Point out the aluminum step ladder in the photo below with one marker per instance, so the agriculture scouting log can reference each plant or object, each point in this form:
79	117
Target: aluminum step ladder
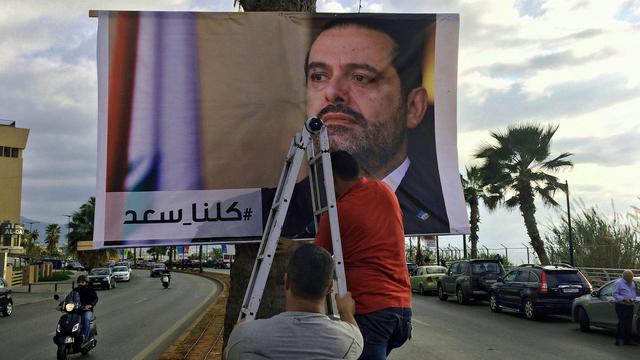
314	134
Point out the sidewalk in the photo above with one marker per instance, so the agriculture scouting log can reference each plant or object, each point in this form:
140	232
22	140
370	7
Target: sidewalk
41	291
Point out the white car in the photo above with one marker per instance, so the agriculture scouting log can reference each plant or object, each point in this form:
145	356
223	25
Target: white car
121	273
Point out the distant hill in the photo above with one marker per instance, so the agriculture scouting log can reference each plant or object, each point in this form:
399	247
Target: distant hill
41	226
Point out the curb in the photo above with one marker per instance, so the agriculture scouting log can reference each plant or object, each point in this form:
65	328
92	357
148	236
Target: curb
204	338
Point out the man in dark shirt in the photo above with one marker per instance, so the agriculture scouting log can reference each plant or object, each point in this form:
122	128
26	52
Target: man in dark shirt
88	300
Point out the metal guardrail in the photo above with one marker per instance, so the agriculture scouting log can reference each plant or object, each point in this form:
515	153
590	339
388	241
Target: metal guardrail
599	276
55	285
596	276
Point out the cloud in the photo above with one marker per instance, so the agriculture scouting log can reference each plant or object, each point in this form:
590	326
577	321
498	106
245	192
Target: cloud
500	107
550	61
616	150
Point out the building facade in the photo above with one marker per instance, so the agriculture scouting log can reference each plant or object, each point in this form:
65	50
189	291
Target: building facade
13	142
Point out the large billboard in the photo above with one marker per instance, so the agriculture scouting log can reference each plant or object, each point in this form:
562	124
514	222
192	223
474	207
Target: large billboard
197	111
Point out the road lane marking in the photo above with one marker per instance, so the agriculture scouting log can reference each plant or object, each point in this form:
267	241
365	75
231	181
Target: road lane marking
151	347
51	334
139	301
420	322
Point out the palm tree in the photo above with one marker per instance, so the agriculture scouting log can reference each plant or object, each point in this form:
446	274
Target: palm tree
35	234
520	167
52	238
81	229
474	192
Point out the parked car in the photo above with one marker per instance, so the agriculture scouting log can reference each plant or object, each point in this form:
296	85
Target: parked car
425	278
411	268
121	273
123	263
6	301
539	290
102	277
157	269
598	309
74	265
469	279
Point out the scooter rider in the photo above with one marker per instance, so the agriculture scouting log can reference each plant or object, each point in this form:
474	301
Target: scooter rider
166	273
88	299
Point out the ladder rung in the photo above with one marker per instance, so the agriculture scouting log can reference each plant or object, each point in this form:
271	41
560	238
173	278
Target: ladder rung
321	210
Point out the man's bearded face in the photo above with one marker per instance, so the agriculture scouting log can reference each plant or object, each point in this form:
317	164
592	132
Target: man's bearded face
354	88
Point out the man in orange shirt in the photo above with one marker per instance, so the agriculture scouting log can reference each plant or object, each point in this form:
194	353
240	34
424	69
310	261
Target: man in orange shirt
372	240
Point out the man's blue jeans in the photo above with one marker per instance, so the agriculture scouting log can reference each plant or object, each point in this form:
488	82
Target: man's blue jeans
384	331
86	318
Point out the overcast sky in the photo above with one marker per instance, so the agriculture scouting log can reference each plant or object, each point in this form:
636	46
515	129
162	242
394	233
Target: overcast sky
573	62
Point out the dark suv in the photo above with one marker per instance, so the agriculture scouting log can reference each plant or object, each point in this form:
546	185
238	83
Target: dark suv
539	290
469	279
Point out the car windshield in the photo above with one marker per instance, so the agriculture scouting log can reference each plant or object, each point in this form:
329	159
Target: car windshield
100	272
120	268
436	270
485	268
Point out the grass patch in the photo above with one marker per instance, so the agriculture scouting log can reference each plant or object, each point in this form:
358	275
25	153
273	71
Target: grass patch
58	276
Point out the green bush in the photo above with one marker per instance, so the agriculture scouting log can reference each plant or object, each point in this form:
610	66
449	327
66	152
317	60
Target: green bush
58	276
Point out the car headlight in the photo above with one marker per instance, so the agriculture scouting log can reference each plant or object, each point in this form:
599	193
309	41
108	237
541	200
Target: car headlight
58	328
75	327
69	307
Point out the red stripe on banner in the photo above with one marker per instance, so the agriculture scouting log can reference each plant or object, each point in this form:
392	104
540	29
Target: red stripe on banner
121	82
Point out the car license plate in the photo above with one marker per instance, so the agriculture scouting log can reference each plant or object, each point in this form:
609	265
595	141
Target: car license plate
68	340
490	281
570	290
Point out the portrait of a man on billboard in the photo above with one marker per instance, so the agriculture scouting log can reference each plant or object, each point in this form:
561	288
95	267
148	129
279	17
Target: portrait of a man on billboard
197	111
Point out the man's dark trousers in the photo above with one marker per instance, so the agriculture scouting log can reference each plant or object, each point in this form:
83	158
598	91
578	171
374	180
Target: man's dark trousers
625	318
383	331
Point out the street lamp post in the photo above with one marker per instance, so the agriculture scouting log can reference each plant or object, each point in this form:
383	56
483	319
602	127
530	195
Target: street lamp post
569	224
464	245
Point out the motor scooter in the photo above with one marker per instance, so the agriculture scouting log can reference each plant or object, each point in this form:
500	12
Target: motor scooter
68	337
166	279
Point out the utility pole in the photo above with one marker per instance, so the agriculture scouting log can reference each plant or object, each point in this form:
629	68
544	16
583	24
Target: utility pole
437	251
569	224
464	245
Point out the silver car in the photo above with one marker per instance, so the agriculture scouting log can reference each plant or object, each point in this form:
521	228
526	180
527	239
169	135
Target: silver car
598	309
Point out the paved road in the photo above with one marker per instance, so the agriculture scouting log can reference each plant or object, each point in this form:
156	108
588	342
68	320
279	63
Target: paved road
137	320
446	330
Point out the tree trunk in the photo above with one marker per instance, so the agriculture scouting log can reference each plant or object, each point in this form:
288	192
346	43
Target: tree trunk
528	210
278	5
474	219
272	301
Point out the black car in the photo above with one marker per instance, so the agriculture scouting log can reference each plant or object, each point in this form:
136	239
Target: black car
539	290
74	265
102	278
6	302
469	280
157	269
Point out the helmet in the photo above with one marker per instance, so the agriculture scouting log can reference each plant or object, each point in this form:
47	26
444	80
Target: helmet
82	278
